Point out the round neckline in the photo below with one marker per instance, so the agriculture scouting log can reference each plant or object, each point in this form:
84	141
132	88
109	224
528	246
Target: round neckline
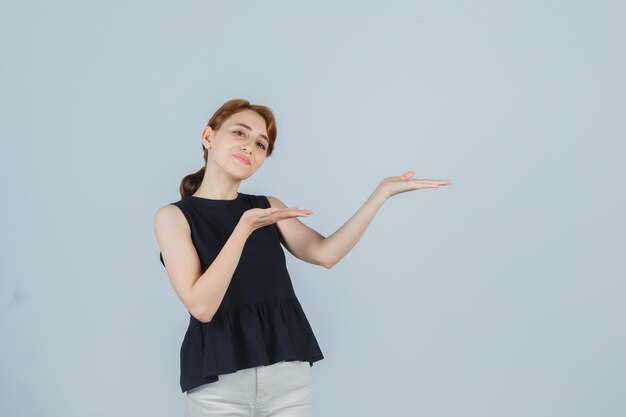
216	202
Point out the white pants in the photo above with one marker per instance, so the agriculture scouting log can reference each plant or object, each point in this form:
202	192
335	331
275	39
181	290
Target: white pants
281	389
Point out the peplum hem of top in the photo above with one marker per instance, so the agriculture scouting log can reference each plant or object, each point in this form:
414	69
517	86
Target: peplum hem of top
246	336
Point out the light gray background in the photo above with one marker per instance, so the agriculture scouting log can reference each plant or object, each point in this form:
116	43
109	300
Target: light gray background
500	295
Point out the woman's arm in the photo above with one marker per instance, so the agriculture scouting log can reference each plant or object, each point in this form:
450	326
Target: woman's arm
202	293
336	246
299	239
308	245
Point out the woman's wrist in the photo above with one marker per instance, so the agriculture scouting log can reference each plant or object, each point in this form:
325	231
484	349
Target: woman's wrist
379	196
243	229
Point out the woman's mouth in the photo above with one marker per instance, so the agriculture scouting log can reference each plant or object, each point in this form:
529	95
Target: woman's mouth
242	158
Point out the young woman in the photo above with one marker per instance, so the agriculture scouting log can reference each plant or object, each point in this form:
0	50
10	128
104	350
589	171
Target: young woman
249	347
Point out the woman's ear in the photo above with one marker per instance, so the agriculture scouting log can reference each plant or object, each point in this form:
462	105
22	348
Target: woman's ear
207	136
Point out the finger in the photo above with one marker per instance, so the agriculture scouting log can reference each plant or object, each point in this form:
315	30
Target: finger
292	208
292	211
419	186
298	212
281	218
283	208
441	182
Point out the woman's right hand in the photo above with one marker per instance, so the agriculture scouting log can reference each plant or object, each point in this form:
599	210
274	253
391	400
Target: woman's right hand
256	218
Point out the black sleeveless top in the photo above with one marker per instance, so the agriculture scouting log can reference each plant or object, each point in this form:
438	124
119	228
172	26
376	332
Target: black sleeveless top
260	320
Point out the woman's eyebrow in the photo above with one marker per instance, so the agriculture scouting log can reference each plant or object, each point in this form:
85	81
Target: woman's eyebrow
248	127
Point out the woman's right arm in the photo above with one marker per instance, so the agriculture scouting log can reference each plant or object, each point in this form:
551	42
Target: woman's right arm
201	293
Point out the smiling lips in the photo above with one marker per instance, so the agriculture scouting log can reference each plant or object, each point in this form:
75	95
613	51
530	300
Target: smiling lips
242	158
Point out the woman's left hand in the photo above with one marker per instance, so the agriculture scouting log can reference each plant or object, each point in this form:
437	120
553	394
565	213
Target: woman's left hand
391	186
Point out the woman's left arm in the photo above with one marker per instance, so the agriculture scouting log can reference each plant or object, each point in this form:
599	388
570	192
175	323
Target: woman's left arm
333	248
310	246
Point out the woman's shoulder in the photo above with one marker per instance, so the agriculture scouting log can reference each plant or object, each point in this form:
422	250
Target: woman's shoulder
171	207
168	221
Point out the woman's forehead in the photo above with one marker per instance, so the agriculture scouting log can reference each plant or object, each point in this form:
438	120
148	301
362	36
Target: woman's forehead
249	121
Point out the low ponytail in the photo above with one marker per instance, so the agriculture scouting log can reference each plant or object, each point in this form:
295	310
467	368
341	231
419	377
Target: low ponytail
191	183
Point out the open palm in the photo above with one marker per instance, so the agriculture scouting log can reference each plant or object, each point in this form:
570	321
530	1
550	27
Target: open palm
391	186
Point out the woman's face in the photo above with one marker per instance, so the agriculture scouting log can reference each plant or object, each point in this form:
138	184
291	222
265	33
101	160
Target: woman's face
239	146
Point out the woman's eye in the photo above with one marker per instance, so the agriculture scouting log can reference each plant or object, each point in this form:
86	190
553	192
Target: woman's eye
258	143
